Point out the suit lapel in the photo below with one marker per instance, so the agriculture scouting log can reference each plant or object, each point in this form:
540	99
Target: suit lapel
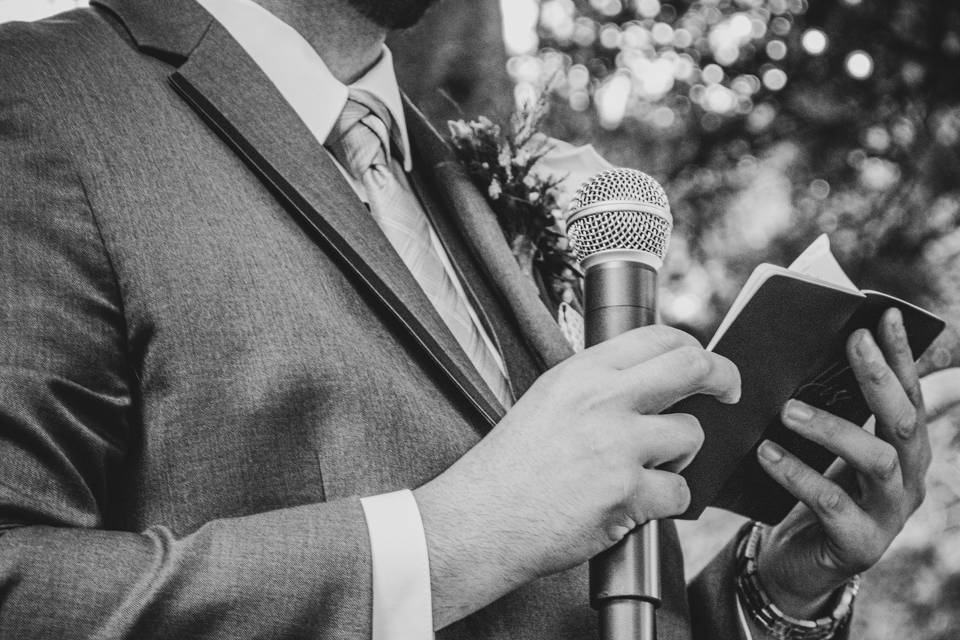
233	96
478	225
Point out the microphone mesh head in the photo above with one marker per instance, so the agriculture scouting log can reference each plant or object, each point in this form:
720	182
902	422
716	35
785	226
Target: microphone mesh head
619	209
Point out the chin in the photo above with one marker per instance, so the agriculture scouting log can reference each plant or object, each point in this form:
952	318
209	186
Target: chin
393	14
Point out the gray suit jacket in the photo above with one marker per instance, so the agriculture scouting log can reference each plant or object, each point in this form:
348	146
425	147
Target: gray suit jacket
209	351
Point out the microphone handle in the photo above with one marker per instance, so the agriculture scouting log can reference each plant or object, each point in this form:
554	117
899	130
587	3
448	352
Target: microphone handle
621	295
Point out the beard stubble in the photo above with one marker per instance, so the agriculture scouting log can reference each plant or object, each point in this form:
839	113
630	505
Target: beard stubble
393	14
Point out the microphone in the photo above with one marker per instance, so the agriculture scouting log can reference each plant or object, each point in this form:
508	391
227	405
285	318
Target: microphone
619	227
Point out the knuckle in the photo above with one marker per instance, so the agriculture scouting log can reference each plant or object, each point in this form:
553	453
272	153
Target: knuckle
792	473
603	443
905	422
832	501
885	464
696	363
618	528
877	373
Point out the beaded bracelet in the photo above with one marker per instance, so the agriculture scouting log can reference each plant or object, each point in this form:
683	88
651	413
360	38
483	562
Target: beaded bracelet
778	624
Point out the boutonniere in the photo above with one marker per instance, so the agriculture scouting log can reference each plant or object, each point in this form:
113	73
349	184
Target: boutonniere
528	180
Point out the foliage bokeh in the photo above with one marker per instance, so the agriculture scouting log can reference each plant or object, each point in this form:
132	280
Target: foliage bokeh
770	122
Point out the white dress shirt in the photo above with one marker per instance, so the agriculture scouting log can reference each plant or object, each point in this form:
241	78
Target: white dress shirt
402	607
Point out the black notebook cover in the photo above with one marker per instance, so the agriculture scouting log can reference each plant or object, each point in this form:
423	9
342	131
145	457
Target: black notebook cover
789	342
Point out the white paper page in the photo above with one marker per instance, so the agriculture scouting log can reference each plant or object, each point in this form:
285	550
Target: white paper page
815	264
819	262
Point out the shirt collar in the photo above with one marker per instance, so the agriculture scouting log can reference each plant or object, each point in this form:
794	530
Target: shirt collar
298	73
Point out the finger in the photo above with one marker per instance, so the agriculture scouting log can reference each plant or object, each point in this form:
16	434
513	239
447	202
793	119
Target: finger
877	461
899	355
659	494
665	380
841	517
668	441
639	345
899	421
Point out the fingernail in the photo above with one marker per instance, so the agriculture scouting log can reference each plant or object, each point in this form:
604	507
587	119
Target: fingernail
798	411
770	451
896	323
866	347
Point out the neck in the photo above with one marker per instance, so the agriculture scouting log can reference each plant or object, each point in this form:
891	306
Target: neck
347	42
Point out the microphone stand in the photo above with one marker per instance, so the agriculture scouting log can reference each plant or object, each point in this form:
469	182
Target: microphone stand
625	581
620	295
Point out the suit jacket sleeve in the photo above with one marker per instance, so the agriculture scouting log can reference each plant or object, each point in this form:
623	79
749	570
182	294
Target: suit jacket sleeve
67	410
712	595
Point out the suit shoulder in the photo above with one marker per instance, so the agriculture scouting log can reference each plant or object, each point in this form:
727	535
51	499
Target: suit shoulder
56	53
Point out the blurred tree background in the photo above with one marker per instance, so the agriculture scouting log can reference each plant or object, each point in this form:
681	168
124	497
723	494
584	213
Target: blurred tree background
768	122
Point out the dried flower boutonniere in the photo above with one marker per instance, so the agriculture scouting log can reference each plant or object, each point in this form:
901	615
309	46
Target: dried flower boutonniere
503	166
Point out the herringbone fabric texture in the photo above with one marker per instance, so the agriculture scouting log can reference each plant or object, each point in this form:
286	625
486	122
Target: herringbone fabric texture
361	141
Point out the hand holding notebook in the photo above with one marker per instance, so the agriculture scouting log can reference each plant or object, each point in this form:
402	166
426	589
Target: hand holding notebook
787	332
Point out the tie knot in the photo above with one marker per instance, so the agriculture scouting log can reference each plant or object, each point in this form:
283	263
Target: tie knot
361	137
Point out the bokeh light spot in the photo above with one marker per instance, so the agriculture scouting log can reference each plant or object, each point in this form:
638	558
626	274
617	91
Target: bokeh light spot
774	79
682	38
610	36
520	32
607	7
648	8
662	33
819	189
814	41
877	138
780	26
859	65
663	117
713	74
612	100
719	99
776	50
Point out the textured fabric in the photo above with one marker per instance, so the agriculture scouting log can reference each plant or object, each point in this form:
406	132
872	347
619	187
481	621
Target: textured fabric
193	395
361	141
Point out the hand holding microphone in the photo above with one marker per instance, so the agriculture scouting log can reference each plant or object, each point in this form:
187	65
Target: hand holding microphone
583	458
619	226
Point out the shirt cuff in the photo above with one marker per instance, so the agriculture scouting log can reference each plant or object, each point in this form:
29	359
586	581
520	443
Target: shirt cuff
402	600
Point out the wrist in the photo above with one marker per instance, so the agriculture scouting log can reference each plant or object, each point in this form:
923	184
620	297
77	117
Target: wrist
827	617
781	587
468	567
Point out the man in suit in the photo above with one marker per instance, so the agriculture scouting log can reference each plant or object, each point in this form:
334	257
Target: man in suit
213	350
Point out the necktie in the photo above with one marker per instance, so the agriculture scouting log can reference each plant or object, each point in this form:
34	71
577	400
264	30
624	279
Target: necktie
360	141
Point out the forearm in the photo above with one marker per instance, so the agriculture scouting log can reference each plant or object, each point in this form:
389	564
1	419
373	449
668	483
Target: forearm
297	573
